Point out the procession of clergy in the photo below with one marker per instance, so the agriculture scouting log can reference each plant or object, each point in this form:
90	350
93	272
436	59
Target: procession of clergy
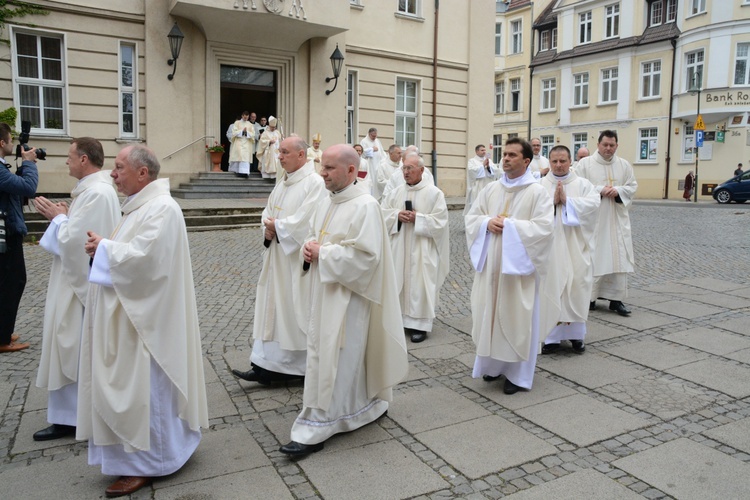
357	249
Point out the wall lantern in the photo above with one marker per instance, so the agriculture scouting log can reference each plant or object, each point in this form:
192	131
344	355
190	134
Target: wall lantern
337	60
175	37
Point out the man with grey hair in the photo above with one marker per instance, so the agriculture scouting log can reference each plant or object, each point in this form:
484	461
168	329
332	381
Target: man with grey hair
582	153
416	218
389	166
142	395
397	178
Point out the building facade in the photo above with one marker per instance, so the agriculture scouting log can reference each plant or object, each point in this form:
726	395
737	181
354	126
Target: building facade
415	70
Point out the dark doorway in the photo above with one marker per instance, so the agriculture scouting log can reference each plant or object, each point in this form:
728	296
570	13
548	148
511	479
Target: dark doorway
244	89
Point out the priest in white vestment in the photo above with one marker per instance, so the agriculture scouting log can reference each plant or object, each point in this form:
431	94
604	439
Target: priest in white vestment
416	218
243	144
539	165
141	389
570	274
615	181
582	153
373	152
280	344
387	168
268	151
363	173
479	172
509	234
314	153
94	207
348	302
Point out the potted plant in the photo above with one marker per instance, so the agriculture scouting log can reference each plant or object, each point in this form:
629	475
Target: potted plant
216	152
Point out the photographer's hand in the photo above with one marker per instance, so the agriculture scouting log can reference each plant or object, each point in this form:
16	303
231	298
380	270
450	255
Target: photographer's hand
29	155
48	209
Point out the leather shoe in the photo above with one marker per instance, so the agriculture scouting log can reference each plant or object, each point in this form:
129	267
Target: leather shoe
127	485
510	387
491	378
550	348
13	347
592	305
251	376
619	308
296	449
578	346
55	431
418	336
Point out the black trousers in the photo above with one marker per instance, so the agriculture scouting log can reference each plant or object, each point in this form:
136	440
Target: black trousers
12	283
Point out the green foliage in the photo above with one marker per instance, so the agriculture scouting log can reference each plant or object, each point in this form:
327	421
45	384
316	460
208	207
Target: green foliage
9	116
11	9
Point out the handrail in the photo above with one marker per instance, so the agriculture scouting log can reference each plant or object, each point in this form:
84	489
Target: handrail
188	145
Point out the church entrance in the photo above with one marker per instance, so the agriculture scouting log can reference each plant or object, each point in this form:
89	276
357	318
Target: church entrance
245	89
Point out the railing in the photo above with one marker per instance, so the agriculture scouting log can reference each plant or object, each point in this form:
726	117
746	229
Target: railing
187	146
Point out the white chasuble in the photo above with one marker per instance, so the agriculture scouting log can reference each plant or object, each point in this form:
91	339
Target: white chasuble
268	153
241	149
477	177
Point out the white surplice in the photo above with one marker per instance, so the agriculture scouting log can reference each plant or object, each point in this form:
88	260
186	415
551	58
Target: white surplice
373	158
241	149
280	344
268	154
537	164
505	297
348	301
94	207
385	170
421	251
477	177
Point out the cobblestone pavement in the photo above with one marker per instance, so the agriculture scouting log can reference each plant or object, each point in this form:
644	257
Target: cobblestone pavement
657	407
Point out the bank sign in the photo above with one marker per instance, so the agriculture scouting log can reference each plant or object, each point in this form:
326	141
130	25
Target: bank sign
729	97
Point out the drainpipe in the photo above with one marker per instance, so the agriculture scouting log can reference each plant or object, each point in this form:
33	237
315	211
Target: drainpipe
434	93
673	41
531	73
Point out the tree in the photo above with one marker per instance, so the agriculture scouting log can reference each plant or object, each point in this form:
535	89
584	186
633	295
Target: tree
13	10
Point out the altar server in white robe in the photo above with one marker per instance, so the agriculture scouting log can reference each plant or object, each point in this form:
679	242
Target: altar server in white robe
243	143
479	172
94	207
141	394
539	165
570	275
509	234
348	301
280	345
373	152
268	151
416	218
615	181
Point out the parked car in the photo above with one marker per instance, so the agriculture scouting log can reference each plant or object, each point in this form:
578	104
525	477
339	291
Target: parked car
735	189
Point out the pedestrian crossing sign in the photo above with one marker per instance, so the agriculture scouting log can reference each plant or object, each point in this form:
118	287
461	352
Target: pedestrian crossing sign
699	125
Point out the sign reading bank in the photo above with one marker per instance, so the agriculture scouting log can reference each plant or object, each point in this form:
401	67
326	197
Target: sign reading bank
729	97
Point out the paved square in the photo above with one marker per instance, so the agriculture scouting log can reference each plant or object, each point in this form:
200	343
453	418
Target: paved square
543	390
419	409
736	434
582	484
724	376
687	310
655	354
591	369
710	340
260	483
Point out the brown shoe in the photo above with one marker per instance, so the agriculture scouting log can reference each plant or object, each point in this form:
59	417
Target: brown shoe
13	347
127	485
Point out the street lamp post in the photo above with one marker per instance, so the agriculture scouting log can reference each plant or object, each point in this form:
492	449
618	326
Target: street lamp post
695	88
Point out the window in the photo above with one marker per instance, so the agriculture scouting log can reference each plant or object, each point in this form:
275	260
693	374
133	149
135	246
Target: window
584	27
580	89
548	142
544	40
128	91
698	7
515	94
657	12
671	11
650	79
549	89
741	66
497	148
351	107
694	69
554	38
612	21
406	112
40	81
516	30
498	39
647	143
580	140
609	85
688	143
409	7
500	97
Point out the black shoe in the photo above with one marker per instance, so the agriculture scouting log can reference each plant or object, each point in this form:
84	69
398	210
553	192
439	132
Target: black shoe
510	387
296	449
592	305
490	378
251	376
418	336
619	308
550	348
577	346
55	431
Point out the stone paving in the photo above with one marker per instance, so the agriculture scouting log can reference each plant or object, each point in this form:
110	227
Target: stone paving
657	407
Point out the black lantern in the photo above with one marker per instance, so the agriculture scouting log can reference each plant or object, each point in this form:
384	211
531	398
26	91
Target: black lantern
337	60
175	37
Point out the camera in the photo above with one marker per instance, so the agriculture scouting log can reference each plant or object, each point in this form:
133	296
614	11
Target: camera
23	138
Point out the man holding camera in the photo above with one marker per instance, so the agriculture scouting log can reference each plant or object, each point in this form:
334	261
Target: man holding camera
13	190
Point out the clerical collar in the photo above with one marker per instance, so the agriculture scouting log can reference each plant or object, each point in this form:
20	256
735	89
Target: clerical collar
342	190
561	177
526	178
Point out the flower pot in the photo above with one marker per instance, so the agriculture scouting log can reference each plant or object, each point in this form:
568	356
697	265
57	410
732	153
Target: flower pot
216	160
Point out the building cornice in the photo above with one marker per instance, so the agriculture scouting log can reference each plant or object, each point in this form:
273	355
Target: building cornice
90	11
366	51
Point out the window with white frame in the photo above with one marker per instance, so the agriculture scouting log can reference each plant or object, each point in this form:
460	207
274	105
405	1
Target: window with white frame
499	97
515	94
549	91
650	79
498	39
409	7
688	144
351	107
647	144
742	64
544	40
554	38
548	142
40	80
580	89
516	33
497	148
694	69
128	90
612	21
584	27
698	7
671	11
609	85
406	112
655	17
580	140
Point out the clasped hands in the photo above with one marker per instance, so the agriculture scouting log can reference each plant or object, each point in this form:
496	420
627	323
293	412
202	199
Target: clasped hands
609	192
407	216
49	209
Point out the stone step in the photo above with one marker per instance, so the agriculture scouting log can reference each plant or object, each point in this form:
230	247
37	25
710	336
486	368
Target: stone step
223	220
229	183
187	194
